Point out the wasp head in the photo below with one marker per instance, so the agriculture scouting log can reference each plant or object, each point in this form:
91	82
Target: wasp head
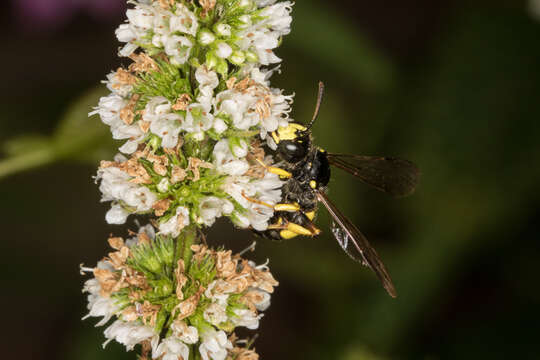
293	141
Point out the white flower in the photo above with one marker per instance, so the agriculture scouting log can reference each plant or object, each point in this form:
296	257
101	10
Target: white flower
129	334
109	108
219	125
246	318
171	348
206	77
97	304
215	345
116	186
178	48
212	208
116	87
198	118
117	215
224	50
163	122
141	19
258	105
278	17
244	190
176	223
218	291
147	229
215	314
264	303
226	162
187	334
239	148
236	105
184	21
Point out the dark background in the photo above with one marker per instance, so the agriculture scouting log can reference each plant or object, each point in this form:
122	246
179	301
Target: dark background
452	85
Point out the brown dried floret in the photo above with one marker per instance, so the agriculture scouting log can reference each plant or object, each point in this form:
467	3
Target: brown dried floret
230	83
132	167
148	312
178	174
225	265
109	281
127	114
166	4
142	63
200	252
182	102
123	77
242	354
181	279
207	6
160	163
160	207
130	314
116	242
187	307
144	126
195	164
255	157
144	238
252	298
118	258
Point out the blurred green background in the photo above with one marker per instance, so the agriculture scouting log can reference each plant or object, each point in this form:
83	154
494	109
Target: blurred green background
453	86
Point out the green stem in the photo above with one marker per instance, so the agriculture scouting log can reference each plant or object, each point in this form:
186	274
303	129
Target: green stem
187	239
26	161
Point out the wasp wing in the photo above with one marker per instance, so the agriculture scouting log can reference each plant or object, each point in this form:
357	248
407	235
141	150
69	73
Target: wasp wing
394	176
355	244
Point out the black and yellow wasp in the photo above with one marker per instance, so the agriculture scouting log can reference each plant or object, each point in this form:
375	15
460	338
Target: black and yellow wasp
306	169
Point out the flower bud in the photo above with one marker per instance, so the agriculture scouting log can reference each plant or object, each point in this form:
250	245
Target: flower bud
205	37
251	57
238	58
163	185
223	30
224	50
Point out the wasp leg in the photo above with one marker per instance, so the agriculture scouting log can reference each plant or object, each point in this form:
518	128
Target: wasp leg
278	207
293	230
275	170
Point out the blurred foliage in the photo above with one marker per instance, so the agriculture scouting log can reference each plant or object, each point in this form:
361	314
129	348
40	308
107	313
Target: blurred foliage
462	251
78	137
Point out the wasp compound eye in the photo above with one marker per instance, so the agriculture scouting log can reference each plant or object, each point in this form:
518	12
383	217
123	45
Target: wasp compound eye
293	151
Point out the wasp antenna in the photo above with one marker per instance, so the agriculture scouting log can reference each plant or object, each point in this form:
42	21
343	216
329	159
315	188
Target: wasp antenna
318	106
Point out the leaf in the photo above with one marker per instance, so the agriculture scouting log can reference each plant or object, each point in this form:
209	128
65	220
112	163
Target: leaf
78	138
25	144
83	138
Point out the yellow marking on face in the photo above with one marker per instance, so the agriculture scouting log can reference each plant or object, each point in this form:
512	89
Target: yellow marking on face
287	235
322	150
289	132
310	215
313	184
300	230
287	207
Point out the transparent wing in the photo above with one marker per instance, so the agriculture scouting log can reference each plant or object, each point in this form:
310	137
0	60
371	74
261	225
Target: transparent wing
394	176
355	244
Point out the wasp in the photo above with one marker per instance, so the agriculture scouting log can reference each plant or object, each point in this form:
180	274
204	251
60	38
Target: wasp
306	170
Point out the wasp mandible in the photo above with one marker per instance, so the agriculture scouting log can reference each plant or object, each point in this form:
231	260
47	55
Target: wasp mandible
307	170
